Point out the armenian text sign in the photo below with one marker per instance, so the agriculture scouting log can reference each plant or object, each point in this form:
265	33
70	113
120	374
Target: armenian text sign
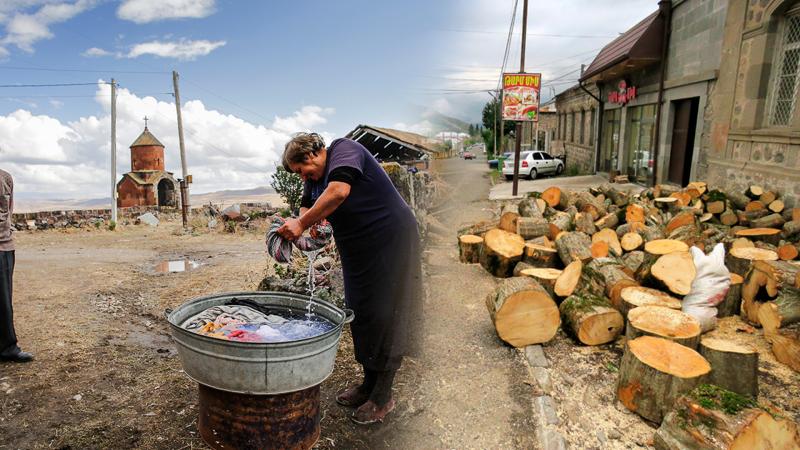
521	96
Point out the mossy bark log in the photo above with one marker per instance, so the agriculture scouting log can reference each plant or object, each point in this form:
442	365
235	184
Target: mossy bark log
733	367
591	319
573	246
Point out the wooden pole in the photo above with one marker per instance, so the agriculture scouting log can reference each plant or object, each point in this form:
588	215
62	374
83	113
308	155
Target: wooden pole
185	181
113	150
518	132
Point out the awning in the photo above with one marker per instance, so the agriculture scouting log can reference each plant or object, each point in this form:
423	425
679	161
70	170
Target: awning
638	47
392	145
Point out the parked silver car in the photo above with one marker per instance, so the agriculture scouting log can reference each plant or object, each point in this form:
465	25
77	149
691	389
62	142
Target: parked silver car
533	164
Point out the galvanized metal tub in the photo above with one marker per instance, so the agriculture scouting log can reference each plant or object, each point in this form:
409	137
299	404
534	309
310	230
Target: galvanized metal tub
254	368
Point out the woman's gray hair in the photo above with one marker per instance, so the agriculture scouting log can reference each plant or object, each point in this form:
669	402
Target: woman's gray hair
300	146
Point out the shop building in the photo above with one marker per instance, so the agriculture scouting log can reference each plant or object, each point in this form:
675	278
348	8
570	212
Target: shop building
545	128
575	130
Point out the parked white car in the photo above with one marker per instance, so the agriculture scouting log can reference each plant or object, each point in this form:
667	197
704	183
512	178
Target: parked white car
534	163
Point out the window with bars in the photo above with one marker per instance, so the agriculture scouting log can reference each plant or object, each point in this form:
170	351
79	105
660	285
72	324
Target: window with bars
784	94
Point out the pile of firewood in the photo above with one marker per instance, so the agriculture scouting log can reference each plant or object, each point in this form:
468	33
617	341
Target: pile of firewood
604	262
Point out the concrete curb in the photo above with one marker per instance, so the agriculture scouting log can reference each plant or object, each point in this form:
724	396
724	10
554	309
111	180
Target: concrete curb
546	432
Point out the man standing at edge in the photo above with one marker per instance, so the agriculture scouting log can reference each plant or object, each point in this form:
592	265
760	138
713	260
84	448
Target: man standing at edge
9	351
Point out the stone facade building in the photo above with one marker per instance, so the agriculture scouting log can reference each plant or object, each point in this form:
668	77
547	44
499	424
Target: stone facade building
575	129
754	115
546	128
148	183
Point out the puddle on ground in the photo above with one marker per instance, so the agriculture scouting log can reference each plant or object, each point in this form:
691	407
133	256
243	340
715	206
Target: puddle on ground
181	265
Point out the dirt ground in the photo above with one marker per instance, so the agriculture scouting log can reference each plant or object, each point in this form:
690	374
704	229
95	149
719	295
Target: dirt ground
89	305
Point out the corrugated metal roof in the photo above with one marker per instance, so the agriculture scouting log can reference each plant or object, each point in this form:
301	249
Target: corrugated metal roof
146	138
642	41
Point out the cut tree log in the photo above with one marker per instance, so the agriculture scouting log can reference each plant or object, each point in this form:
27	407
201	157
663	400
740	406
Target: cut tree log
754	191
615	278
712	418
706	217
767	197
673	272
741	242
556	198
560	222
508	218
610	220
733	366
568	281
732	304
634	213
545	276
539	255
660	247
544	241
738	260
478	229
501	251
631	242
667	204
633	260
469	248
609	236
599	249
701	186
588	203
617	197
573	246
791	229
729	218
666	323
785	347
529	208
717	207
737	199
681	219
636	296
683	198
532	227
776	206
774	220
654	372
782	311
745	217
787	252
791	214
522	311
765	282
584	223
522	265
591	319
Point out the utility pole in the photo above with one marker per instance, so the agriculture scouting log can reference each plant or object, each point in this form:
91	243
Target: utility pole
184	183
494	123
518	133
113	151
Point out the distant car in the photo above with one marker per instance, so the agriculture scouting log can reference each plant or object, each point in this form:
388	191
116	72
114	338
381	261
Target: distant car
469	155
533	164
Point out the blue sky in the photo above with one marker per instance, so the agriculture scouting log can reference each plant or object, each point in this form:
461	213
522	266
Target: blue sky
253	72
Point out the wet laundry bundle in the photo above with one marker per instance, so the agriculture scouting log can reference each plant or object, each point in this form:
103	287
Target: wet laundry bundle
245	324
281	249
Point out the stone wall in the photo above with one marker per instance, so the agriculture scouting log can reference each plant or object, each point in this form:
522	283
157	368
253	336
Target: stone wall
576	110
744	147
696	37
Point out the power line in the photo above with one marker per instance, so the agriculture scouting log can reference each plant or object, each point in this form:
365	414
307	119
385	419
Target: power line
76	96
51	85
53	69
577	36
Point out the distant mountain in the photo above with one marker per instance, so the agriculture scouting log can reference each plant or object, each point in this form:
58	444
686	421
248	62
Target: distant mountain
227	197
446	123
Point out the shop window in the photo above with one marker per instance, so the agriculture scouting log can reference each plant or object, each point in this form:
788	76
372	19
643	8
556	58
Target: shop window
787	74
583	126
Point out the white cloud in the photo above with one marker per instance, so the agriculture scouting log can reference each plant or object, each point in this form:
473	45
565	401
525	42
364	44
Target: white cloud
23	30
423	127
145	11
183	50
95	52
70	159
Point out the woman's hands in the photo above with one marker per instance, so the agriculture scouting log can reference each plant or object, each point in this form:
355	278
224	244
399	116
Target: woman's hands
291	229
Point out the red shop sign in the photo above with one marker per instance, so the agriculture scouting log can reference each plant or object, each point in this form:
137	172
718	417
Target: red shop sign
623	94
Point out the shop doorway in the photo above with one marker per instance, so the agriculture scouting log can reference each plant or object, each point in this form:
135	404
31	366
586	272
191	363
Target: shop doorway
682	149
609	147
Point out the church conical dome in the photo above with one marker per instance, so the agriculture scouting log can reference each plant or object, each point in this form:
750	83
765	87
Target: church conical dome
146	139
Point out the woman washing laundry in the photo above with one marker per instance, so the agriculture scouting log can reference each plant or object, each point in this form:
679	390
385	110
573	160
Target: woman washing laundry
376	234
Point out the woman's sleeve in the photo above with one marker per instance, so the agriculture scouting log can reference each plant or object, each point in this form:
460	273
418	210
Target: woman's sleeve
347	153
305	200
